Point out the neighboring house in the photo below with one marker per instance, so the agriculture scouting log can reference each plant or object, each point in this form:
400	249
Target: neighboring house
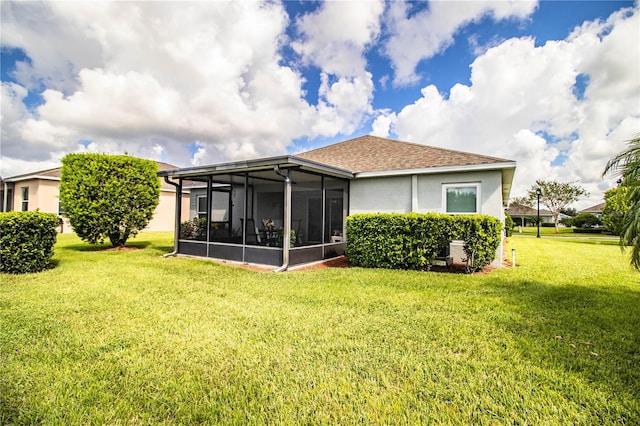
595	210
251	205
521	215
40	190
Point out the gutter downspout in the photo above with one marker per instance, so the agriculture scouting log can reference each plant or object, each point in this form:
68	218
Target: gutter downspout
286	238
176	232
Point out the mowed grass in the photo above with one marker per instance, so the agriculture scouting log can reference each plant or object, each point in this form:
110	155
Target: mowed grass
132	338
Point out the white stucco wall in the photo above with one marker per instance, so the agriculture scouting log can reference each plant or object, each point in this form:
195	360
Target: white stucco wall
424	194
380	195
394	194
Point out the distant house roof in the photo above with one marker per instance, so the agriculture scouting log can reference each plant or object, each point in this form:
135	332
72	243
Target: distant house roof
368	154
55	174
518	210
597	209
49	174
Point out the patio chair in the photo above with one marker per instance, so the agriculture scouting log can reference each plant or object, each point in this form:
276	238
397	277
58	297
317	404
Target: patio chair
296	225
252	235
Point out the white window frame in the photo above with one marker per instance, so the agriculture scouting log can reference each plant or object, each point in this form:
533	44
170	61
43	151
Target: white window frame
475	185
24	190
198	212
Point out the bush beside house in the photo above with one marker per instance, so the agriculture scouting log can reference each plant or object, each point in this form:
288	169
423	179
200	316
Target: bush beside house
26	241
586	221
108	196
414	241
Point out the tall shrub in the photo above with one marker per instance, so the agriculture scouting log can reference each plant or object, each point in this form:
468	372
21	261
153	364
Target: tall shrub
413	241
481	235
616	206
108	196
26	241
509	224
586	220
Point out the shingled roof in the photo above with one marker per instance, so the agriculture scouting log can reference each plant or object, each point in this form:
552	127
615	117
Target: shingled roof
518	210
56	174
375	154
597	209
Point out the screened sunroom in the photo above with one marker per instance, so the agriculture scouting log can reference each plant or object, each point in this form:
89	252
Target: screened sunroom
243	211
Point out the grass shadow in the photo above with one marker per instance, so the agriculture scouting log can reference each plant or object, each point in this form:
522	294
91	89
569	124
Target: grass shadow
591	331
105	247
164	248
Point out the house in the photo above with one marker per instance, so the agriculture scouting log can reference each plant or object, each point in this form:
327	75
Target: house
245	209
595	210
523	214
40	191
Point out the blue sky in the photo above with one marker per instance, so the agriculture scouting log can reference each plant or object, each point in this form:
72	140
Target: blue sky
553	85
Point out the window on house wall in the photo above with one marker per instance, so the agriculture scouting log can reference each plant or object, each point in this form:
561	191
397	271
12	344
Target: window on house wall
202	206
461	198
25	198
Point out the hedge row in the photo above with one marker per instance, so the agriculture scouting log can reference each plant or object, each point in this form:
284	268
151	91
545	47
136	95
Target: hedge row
26	241
413	240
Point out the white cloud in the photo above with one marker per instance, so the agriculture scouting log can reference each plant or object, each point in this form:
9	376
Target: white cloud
430	31
520	93
382	125
136	76
342	104
12	113
56	52
335	36
203	82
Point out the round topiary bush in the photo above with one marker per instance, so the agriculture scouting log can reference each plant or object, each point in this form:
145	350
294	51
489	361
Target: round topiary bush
26	241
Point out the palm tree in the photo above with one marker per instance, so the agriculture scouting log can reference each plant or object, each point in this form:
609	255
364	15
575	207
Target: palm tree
626	165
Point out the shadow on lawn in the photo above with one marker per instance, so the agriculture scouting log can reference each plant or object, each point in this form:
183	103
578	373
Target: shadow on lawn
593	330
130	245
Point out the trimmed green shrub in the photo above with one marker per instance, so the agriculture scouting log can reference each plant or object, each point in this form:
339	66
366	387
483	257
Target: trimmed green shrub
194	229
509	224
413	240
615	208
26	241
586	220
566	221
588	230
108	196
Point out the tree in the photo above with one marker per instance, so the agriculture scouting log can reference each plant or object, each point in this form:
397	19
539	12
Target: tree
509	224
615	208
586	220
108	196
569	211
555	196
626	165
521	201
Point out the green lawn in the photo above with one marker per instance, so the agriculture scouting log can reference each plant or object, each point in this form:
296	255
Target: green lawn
128	337
564	232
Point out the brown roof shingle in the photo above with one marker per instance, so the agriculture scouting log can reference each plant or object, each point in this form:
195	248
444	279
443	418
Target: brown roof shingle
518	210
51	173
56	174
375	154
594	209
